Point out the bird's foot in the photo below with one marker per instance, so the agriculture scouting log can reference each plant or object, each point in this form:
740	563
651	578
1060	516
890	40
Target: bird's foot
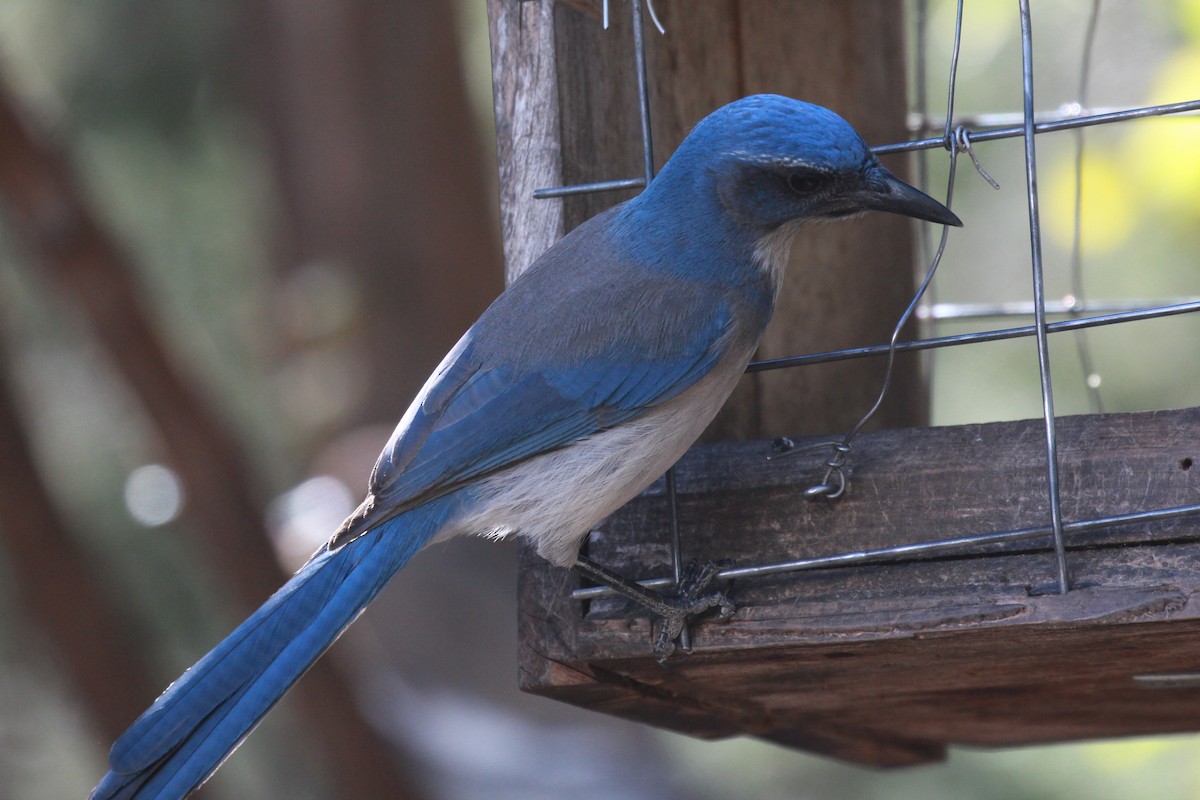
691	598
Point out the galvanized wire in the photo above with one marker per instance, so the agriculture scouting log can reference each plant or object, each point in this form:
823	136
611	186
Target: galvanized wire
1083	350
924	549
960	132
1039	299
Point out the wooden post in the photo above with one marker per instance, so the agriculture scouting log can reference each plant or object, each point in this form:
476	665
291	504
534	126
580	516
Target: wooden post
566	113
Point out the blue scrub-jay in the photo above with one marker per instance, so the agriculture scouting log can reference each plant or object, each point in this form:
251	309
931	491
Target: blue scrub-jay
580	385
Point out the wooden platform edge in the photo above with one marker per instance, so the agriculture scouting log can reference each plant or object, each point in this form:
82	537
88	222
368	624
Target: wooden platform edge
598	656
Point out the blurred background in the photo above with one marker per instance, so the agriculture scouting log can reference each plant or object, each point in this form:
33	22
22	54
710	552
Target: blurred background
255	227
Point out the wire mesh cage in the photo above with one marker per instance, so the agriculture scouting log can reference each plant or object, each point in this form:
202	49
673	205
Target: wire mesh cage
984	583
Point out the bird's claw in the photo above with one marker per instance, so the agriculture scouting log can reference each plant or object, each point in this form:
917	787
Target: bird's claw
691	599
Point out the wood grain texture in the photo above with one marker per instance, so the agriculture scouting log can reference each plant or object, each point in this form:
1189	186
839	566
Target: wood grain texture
525	99
888	663
566	113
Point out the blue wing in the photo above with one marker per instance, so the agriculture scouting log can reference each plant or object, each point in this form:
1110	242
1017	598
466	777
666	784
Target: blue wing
487	408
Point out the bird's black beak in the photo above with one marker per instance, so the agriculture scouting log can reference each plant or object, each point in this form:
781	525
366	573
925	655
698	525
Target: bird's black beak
886	192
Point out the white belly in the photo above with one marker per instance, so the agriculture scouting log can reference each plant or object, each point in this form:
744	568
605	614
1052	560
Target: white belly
555	499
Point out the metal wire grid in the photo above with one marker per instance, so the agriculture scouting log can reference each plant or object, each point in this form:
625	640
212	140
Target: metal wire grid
960	134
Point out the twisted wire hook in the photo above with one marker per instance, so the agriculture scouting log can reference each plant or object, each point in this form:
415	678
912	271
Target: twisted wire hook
834	482
957	140
960	140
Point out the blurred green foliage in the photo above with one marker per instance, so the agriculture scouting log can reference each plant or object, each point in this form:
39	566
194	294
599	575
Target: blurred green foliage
1139	215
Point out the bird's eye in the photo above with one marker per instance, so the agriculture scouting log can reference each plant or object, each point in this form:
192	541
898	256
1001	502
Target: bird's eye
805	182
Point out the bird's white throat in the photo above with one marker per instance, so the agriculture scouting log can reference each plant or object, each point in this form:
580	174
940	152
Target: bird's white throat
773	250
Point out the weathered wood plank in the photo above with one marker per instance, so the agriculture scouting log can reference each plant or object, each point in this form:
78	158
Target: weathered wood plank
887	663
525	99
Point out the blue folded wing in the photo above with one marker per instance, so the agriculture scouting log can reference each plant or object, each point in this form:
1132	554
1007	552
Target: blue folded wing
477	418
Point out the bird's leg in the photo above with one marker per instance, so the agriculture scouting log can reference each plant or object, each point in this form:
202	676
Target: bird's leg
691	598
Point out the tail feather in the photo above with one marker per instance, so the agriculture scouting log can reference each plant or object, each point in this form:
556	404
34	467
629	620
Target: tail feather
202	717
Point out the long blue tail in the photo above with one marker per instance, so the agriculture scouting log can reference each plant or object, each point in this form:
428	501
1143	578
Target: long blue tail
199	720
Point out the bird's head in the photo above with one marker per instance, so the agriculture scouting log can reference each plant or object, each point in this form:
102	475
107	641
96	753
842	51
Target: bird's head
773	160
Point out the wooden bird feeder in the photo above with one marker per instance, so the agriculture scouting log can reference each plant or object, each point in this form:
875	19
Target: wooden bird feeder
886	664
879	663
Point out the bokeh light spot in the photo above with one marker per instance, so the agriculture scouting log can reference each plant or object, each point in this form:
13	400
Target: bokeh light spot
153	495
304	517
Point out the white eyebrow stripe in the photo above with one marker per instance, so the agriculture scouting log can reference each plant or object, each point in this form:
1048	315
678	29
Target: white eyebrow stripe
773	161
